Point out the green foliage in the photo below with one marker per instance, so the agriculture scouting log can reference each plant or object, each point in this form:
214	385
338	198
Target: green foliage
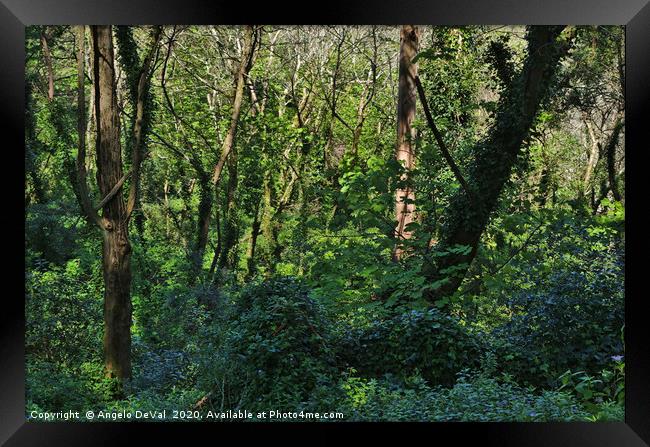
603	395
568	312
428	341
277	347
317	316
55	388
63	315
471	398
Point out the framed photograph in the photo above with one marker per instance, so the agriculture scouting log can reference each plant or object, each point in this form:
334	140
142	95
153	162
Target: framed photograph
325	219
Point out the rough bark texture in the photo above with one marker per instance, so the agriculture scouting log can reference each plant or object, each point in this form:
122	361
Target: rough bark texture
494	158
83	194
116	247
407	93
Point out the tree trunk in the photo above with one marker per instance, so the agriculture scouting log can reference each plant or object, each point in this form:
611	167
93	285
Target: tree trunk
31	148
227	147
592	159
203	223
231	225
406	96
611	159
494	158
270	224
242	72
255	232
48	65
116	249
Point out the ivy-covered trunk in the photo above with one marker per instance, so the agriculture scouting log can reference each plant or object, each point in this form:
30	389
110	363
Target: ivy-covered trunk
203	222
493	160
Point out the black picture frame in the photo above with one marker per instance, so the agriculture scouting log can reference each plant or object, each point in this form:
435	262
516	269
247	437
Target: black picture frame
16	14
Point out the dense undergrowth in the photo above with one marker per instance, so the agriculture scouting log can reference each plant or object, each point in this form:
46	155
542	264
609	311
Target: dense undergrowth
539	340
265	196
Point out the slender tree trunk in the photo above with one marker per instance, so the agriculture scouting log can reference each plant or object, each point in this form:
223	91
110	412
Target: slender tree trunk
255	232
138	77
242	72
217	250
611	159
406	97
269	224
48	65
81	185
31	145
117	249
592	159
203	222
543	187
231	225
227	147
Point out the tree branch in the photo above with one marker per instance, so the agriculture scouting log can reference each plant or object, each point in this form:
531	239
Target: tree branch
113	191
145	77
441	143
82	186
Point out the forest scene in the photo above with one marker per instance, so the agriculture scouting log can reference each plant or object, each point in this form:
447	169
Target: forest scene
325	223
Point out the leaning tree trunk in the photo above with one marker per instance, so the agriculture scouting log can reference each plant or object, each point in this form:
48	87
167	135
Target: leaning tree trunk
494	159
116	249
404	196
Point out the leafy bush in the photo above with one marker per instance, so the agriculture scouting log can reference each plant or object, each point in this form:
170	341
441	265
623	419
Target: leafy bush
427	341
52	388
548	288
52	231
572	321
472	398
63	312
277	347
602	395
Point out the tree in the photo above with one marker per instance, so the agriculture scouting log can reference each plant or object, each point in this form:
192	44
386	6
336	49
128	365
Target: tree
230	237
494	158
404	152
114	221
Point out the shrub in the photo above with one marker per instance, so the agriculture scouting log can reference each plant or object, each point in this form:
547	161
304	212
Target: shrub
472	398
427	341
277	347
603	395
51	387
63	313
572	321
